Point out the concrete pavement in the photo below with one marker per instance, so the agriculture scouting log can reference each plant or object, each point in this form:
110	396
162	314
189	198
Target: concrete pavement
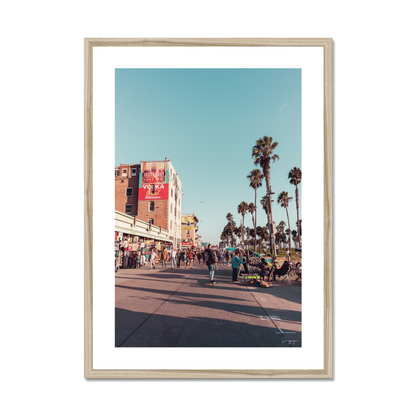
176	308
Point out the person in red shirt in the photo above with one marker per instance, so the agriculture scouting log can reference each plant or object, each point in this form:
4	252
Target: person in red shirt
191	258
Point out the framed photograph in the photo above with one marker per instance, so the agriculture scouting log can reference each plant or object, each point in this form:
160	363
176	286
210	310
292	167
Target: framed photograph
220	208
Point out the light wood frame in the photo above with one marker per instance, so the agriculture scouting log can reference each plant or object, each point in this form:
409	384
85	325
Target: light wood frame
89	372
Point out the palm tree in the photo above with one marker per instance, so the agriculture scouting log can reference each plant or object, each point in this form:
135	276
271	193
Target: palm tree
265	234
283	199
295	176
223	236
252	209
263	153
226	231
242	209
256	178
281	232
231	222
237	232
259	232
295	237
265	203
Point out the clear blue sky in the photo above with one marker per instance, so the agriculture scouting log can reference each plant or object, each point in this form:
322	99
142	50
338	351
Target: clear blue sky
206	121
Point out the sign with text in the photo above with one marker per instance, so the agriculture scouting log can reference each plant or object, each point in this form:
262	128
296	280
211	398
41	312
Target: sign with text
152	182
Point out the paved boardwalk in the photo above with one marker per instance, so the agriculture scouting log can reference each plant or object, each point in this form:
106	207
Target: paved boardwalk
176	308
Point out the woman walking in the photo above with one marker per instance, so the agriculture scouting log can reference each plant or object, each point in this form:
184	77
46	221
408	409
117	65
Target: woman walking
191	259
186	259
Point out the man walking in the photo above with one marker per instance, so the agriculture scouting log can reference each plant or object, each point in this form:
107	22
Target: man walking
209	260
165	256
173	257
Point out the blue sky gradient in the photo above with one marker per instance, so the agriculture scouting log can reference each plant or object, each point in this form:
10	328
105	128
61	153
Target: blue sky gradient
206	121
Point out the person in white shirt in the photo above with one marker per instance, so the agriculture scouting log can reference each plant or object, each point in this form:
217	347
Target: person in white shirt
142	259
173	257
152	259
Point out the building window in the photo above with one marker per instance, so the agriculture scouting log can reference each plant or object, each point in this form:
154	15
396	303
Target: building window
124	172
171	193
151	221
133	171
116	171
129	191
128	208
171	225
151	206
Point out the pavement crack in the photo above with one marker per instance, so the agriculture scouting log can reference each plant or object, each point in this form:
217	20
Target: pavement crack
285	340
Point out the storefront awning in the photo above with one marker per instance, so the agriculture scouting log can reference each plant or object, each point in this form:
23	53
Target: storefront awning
141	234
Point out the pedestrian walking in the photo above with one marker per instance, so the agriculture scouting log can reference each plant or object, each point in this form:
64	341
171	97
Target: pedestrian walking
216	260
209	260
186	259
142	259
179	256
191	259
287	255
222	258
199	257
165	256
173	257
137	260
235	266
227	258
152	260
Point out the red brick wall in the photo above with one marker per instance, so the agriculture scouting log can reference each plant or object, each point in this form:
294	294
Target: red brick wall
124	182
160	214
139	208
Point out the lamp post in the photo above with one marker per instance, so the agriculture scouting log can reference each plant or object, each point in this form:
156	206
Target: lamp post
271	224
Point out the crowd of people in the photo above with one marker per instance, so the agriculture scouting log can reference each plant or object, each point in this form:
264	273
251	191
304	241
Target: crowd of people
186	258
213	259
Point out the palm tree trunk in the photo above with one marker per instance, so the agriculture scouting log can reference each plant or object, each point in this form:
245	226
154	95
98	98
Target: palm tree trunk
242	232
290	234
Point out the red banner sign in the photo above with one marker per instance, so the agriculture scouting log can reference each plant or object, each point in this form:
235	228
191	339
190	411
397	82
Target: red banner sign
154	192
153	184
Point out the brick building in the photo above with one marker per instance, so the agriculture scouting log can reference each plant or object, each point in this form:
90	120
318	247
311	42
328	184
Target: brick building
156	196
127	188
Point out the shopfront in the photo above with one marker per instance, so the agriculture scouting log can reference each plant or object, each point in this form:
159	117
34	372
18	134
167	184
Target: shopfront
134	237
